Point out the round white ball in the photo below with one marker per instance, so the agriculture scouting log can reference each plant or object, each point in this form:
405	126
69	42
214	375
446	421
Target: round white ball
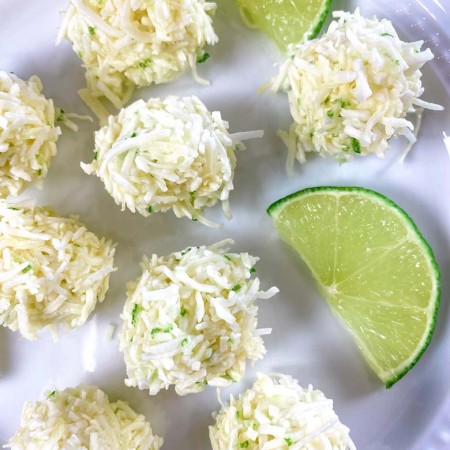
28	133
82	418
190	320
53	270
124	44
351	89
278	413
166	154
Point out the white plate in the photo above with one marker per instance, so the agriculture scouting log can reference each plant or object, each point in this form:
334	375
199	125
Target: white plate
307	341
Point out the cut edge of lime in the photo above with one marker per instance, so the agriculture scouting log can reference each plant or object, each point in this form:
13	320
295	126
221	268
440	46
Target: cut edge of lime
311	33
398	373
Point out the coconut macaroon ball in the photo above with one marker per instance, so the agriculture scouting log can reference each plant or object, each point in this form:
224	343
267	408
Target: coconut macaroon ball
124	44
277	413
351	89
167	154
82	418
191	320
28	133
53	271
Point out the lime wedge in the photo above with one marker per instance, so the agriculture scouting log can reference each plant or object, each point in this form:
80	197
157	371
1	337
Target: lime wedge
286	21
373	266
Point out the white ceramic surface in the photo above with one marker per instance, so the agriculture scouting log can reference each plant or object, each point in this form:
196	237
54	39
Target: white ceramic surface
307	341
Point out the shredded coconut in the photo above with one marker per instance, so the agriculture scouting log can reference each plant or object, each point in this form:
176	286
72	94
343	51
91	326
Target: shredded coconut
28	133
82	418
124	44
53	270
350	90
190	320
278	414
171	154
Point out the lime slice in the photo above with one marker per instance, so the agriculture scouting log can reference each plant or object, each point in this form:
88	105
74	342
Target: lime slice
373	266
286	21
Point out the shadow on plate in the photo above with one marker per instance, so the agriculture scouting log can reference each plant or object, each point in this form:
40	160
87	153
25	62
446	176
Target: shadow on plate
4	351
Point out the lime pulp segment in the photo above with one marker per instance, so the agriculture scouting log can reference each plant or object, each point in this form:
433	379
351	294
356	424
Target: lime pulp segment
286	21
373	266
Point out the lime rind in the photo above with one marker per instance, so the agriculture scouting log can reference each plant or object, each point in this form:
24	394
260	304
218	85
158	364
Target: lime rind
390	377
314	31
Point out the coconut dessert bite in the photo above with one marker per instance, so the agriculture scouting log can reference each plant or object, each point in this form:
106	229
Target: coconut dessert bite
170	154
82	418
190	320
350	90
53	270
124	44
277	413
28	133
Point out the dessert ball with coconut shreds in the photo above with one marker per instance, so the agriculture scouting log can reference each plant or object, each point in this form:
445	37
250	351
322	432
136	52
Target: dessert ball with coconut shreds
277	413
53	271
28	133
82	418
351	89
167	154
124	44
191	320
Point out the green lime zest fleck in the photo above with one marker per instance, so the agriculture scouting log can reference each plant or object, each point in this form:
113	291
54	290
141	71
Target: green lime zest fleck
252	270
330	113
288	441
136	310
52	394
203	58
227	257
227	376
183	311
150	208
95	155
145	63
27	268
157	330
343	103
356	146
236	287
184	342
134	134
91	30
60	116
186	251
244	444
